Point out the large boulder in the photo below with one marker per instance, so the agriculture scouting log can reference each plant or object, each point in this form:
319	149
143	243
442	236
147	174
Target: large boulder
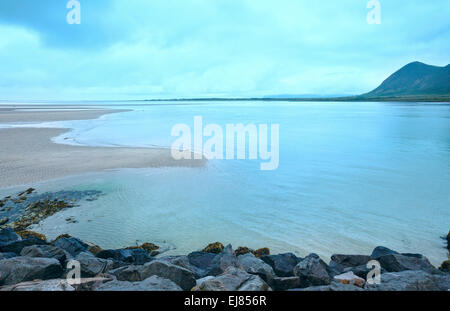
8	236
71	245
283	264
44	251
182	261
200	261
350	260
312	271
402	262
411	281
126	256
221	262
285	283
129	273
40	286
179	275
233	279
254	265
153	283
22	269
92	266
17	246
380	251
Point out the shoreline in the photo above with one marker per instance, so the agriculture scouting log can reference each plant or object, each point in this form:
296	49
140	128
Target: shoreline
29	155
30	262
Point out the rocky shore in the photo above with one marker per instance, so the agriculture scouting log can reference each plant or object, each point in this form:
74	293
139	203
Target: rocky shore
31	262
28	262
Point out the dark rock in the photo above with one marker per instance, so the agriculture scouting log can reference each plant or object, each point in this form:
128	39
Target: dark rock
8	236
242	250
261	252
18	246
181	261
397	263
285	283
254	265
3	221
312	271
179	275
153	283
282	264
445	266
71	245
411	281
126	256
92	266
233	279
223	261
351	260
22	269
214	248
130	273
7	255
44	251
200	261
381	251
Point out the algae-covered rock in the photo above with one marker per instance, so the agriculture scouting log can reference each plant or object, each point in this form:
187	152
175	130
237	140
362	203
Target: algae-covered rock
27	233
261	252
214	248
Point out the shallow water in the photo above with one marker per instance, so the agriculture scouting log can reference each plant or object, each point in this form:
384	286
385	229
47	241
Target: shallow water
351	176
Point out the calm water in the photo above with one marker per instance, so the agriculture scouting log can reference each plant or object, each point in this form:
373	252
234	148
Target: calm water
351	176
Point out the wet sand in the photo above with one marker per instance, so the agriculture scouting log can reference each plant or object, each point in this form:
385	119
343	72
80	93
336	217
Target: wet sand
27	155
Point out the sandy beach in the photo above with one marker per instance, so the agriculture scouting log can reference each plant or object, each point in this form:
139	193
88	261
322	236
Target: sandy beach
28	155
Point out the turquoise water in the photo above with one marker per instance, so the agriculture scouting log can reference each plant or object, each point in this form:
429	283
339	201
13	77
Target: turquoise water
351	176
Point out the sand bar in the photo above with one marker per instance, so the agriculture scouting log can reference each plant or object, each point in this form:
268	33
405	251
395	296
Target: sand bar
28	155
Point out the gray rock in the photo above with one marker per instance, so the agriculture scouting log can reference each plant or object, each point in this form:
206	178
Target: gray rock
18	246
411	281
126	256
381	251
3	221
22	269
7	255
254	265
282	264
312	271
285	283
92	266
153	283
350	260
333	287
179	275
130	273
221	262
397	263
200	261
40	286
71	245
233	279
8	236
44	251
182	261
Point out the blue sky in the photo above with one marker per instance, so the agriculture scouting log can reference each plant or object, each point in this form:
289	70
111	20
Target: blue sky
137	49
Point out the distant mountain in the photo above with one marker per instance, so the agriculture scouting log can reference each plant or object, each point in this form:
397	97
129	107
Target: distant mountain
417	80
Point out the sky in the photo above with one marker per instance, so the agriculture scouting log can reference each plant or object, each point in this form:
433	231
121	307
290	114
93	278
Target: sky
144	49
